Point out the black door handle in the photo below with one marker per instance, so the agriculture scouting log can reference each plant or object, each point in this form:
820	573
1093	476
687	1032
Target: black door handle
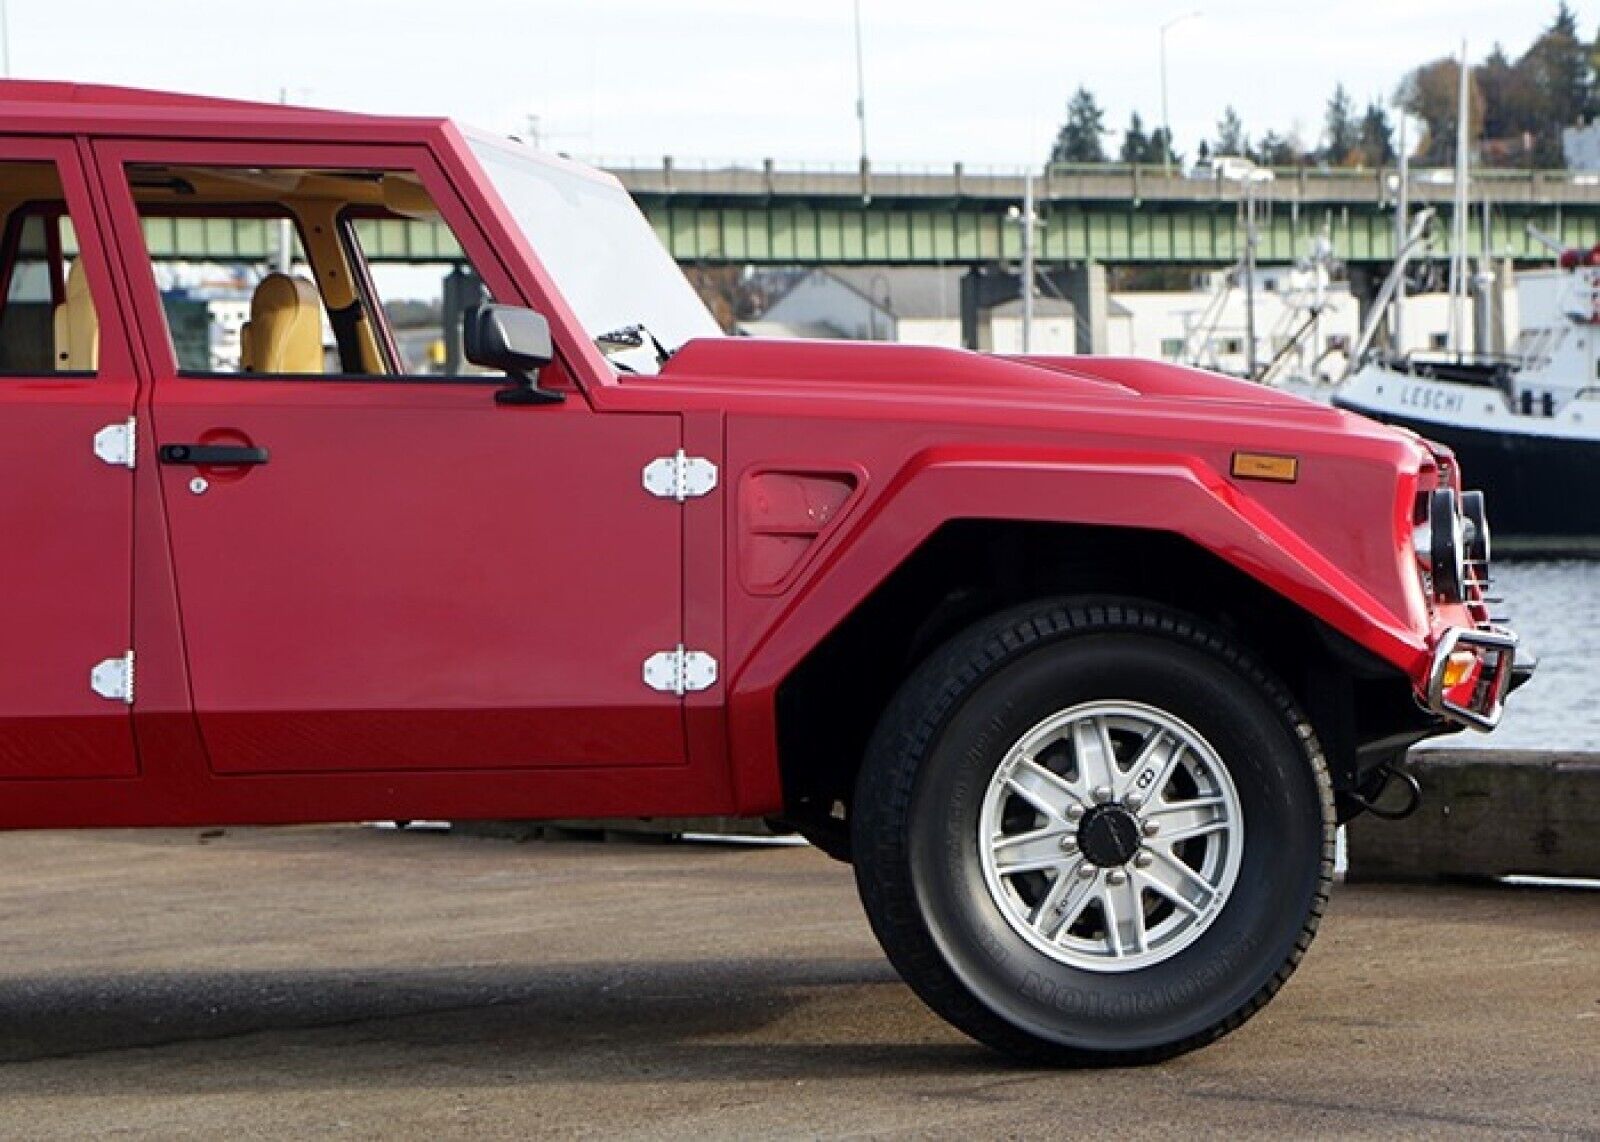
218	454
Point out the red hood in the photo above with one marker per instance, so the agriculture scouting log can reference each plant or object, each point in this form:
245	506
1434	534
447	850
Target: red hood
865	365
871	364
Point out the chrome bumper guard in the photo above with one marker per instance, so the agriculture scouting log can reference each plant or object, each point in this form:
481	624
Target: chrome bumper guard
1499	671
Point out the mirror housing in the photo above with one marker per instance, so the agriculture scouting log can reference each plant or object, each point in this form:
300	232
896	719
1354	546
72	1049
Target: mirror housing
516	341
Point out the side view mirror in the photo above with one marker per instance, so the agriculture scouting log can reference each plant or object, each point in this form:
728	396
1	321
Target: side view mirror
516	341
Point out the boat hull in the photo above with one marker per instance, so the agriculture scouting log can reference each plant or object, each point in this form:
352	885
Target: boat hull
1537	487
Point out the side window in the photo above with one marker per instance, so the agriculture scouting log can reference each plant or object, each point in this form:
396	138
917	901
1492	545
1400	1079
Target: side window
47	316
422	285
304	272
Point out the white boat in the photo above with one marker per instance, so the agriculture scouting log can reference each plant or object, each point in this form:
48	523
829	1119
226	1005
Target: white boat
1524	426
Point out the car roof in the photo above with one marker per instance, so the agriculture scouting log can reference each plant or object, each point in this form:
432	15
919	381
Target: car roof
56	107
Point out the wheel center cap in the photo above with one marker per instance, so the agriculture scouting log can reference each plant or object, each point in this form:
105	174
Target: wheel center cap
1109	836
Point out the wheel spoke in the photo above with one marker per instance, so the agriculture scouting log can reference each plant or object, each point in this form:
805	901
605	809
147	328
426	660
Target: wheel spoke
1065	901
1185	819
1097	761
1123	905
1187	829
1152	768
1046	791
1030	852
1179	883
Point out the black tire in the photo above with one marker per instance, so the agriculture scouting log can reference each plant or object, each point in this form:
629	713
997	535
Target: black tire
915	827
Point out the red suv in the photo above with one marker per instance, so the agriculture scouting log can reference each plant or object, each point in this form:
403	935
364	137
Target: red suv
375	468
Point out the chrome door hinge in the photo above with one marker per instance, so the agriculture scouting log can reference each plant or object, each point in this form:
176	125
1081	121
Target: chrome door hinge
116	443
113	678
680	477
680	671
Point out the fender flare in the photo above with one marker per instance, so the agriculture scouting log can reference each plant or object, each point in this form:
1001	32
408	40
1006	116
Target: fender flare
1147	491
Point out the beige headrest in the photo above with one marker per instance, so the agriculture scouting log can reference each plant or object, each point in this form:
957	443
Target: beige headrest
285	330
77	327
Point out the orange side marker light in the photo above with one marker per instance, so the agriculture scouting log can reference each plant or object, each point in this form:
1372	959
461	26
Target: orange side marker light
1266	466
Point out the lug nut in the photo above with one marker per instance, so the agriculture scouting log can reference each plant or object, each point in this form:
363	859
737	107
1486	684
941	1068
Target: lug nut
1143	860
1134	802
1069	843
1101	794
1150	828
1087	872
1117	877
1074	812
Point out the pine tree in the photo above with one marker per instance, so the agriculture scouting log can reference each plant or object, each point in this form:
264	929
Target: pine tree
1231	139
1160	148
1135	143
1557	68
1275	150
1376	136
1340	131
1079	140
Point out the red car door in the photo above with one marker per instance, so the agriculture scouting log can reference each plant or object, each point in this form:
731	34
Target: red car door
406	575
67	388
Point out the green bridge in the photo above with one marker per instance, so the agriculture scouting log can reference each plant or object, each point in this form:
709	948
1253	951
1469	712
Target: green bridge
1119	215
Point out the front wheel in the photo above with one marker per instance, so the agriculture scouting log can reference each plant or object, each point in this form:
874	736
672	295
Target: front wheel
1093	832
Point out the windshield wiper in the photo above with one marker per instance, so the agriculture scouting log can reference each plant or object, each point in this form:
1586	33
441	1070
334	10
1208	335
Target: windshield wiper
632	337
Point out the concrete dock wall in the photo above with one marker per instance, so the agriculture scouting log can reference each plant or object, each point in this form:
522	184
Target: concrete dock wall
1488	813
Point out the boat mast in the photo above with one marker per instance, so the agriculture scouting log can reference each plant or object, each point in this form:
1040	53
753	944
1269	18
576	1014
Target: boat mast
1458	240
1402	225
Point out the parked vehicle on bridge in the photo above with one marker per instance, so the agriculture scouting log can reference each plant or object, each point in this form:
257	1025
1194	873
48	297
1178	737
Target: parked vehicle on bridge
1077	661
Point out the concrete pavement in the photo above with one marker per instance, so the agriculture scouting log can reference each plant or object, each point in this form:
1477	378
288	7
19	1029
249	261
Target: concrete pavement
353	982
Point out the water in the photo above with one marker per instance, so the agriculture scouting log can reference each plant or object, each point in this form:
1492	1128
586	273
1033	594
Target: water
1555	606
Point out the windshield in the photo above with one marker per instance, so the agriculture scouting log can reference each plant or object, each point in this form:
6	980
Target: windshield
597	245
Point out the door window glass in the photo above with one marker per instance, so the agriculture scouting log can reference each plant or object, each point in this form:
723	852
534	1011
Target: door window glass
422	290
48	321
305	272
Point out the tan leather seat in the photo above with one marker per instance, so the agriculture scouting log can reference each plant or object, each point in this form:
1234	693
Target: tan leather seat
284	333
77	326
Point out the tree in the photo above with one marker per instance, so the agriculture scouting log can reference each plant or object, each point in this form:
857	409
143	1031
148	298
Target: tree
1510	97
1340	130
1160	148
1375	142
1231	139
1275	150
1135	143
1079	140
1430	93
1558	65
1557	68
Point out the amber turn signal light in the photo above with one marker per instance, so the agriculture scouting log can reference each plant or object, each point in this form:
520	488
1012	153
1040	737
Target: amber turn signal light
1457	667
1266	466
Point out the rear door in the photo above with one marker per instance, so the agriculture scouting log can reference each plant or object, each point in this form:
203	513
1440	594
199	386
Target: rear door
401	574
67	389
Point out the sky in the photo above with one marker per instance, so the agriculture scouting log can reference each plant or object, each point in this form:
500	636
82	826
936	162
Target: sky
946	80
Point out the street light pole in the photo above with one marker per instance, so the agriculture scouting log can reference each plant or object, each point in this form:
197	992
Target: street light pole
1250	276
861	87
1028	270
1166	121
5	43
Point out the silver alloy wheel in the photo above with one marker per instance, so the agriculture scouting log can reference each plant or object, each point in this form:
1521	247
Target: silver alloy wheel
1110	836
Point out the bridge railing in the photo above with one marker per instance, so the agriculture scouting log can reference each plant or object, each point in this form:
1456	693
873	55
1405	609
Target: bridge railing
670	175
